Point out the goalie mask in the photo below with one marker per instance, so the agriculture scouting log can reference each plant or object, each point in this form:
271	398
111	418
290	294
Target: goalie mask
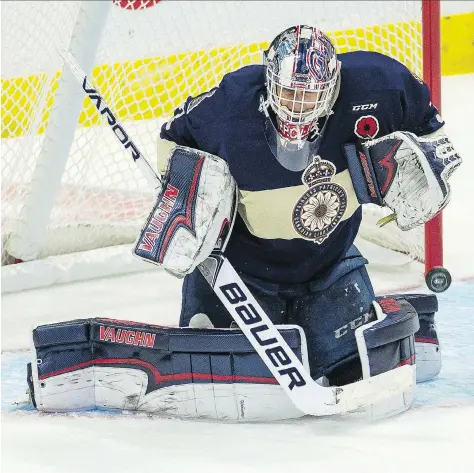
302	72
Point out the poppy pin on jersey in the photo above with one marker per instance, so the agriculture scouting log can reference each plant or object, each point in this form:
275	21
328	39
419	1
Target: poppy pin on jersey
366	127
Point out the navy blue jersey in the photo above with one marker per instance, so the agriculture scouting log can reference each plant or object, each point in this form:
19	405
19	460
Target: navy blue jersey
377	96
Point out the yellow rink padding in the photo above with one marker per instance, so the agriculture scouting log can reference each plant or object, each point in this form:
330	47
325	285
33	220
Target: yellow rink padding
153	87
457	44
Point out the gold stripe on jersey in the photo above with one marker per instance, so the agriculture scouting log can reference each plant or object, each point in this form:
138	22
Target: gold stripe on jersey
163	153
268	213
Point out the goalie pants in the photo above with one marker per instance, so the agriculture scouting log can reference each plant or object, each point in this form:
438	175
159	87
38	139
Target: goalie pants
329	309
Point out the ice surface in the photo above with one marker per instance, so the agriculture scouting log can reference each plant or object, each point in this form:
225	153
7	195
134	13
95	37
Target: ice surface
435	436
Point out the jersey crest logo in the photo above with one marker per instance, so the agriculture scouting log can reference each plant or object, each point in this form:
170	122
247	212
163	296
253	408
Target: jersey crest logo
320	209
366	127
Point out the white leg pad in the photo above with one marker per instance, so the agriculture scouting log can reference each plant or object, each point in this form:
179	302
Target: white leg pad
428	361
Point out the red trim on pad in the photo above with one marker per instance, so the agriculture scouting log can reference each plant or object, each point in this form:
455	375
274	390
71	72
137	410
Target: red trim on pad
157	376
427	340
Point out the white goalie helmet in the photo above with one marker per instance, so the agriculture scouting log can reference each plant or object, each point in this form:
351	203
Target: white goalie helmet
302	72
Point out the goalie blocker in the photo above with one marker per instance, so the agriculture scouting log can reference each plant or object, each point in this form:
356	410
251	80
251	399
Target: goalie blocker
193	214
199	373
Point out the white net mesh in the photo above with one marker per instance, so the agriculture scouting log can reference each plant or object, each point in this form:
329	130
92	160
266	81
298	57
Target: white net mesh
151	56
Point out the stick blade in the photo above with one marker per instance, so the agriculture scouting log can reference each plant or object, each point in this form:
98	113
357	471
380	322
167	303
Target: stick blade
373	390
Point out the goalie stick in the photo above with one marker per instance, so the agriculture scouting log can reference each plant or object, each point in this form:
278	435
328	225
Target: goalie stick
305	393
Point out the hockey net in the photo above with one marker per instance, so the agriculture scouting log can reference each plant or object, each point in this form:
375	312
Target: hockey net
67	185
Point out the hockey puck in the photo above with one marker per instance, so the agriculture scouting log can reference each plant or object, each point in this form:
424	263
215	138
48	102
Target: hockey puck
438	279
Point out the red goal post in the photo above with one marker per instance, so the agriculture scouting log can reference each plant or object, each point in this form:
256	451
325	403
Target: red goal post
431	14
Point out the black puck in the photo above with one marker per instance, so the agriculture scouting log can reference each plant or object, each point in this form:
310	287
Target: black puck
438	279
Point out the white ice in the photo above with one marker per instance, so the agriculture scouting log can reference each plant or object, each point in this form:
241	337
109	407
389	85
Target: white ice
435	436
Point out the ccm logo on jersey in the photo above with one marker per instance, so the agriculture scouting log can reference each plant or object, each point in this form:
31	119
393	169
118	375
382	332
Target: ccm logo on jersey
363	107
248	314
